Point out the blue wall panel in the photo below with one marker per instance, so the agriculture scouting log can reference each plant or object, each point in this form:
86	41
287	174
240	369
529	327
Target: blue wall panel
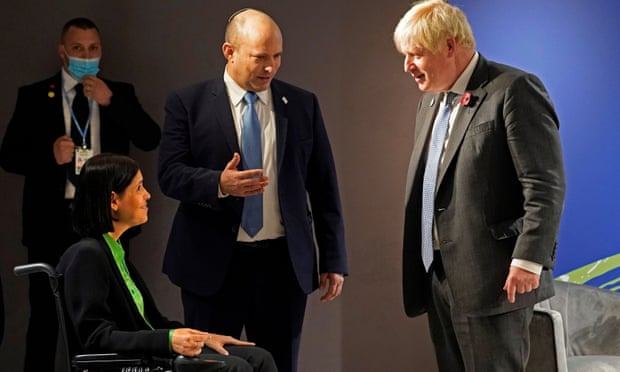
574	47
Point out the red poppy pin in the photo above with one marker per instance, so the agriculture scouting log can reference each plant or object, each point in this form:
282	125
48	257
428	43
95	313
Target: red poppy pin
467	99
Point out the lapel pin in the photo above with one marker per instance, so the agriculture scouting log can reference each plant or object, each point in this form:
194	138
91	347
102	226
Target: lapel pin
468	100
284	100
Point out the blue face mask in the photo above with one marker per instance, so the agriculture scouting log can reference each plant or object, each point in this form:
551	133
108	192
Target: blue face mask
80	67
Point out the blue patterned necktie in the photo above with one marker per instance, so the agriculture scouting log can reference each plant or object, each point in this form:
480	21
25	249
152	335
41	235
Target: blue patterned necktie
251	158
440	129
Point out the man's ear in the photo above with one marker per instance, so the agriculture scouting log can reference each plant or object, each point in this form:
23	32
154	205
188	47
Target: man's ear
451	45
228	50
60	50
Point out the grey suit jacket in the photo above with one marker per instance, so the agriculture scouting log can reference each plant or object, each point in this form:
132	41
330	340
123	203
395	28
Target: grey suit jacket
500	192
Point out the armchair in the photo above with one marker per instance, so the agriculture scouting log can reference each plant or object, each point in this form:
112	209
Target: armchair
577	330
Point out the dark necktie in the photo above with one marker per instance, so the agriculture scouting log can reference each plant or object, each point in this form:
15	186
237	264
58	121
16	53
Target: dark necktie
251	158
440	129
80	111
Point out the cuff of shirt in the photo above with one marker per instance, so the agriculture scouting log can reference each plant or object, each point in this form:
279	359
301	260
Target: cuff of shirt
530	266
220	194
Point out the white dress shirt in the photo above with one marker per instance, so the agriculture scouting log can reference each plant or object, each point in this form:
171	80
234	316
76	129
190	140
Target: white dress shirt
272	220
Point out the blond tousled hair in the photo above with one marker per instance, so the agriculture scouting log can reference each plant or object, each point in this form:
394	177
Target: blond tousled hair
428	23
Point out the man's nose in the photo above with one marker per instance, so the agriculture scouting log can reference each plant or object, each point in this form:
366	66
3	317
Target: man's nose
407	63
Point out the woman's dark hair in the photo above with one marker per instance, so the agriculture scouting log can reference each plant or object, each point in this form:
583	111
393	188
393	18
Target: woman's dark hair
100	175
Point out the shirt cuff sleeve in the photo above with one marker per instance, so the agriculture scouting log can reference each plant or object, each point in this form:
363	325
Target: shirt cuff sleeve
220	194
530	266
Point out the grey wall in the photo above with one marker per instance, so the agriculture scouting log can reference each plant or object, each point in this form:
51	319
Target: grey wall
341	50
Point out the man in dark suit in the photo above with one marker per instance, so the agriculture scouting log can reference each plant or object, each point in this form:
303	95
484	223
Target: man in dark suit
38	144
232	276
479	251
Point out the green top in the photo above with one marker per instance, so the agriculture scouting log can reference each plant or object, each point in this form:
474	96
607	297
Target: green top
119	256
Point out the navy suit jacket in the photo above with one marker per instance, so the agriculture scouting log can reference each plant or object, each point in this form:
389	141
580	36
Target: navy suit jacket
199	139
37	122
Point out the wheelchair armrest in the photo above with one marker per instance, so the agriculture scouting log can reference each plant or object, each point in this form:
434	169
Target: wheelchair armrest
196	364
105	360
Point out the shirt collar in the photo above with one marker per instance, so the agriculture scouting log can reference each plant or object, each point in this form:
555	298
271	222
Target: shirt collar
236	93
115	247
68	81
460	85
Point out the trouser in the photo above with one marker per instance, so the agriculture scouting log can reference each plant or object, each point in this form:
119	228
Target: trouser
262	295
465	343
243	359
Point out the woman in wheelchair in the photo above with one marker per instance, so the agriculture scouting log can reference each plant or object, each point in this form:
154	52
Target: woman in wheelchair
107	302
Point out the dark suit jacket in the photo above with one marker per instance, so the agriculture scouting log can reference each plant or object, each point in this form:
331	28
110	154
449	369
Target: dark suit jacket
27	147
199	139
101	307
500	192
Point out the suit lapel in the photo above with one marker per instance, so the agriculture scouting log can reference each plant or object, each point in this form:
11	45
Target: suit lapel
224	116
464	117
427	109
280	101
54	98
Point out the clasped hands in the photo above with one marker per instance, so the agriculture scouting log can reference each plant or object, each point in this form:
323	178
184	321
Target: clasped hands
242	183
189	342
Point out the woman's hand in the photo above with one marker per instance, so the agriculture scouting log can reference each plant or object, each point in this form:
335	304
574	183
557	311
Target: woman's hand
188	342
217	342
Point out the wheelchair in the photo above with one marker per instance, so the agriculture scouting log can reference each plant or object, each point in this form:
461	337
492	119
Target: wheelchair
109	362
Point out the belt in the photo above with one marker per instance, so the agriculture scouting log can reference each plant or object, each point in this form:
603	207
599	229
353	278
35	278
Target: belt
261	244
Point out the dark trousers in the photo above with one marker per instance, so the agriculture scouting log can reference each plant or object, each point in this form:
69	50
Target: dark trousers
243	359
475	343
262	295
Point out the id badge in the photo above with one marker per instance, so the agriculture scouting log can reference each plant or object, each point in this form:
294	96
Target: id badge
81	155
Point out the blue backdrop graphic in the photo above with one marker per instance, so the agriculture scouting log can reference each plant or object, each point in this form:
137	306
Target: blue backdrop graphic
574	47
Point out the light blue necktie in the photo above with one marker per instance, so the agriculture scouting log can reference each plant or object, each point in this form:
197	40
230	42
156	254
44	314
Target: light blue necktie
251	158
440	129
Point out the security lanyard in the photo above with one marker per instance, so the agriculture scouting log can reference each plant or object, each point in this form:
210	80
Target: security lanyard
84	131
